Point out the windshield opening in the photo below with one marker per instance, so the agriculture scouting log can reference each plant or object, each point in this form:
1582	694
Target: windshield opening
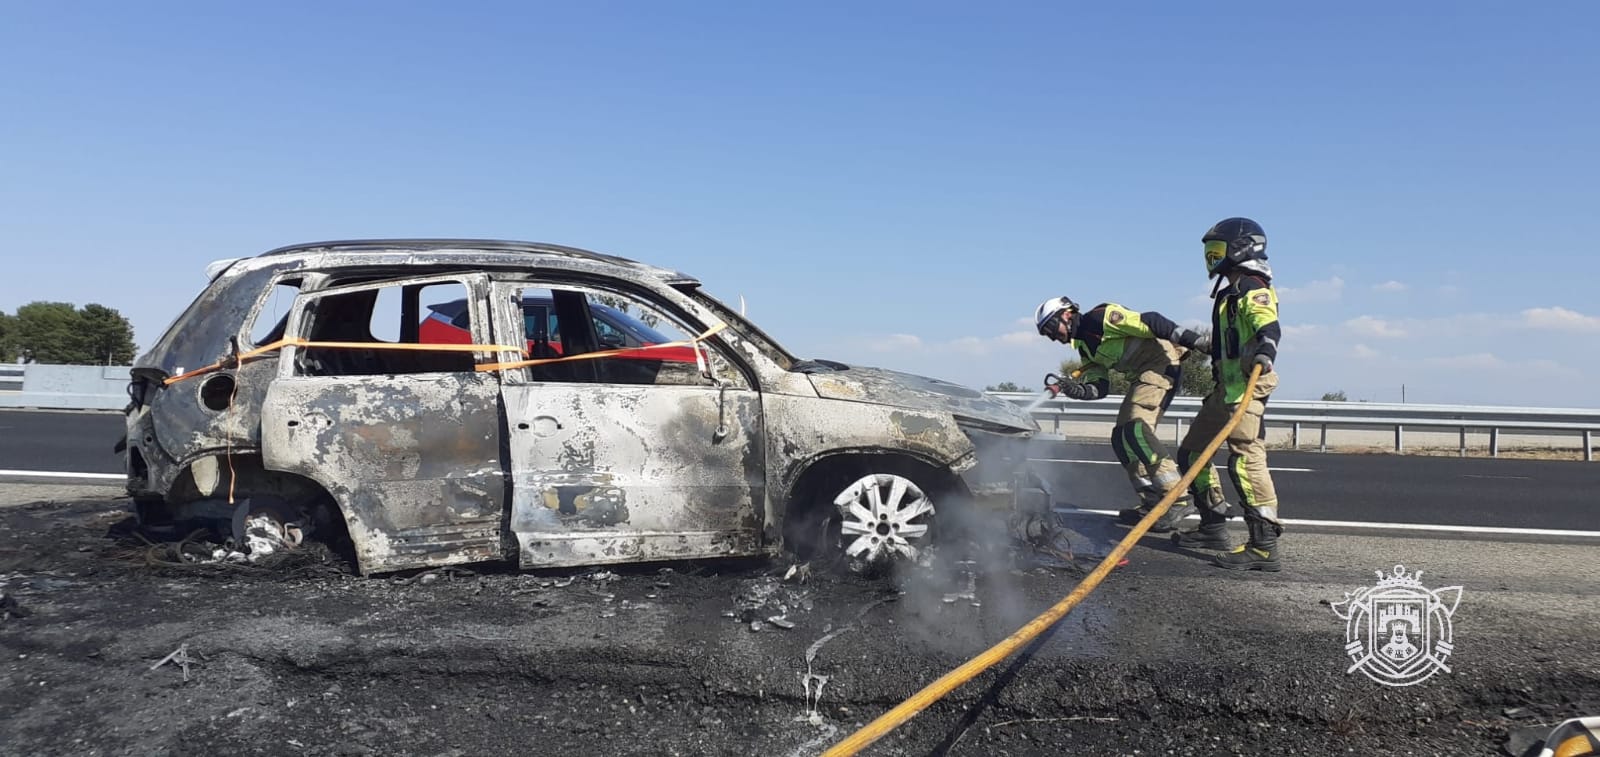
746	329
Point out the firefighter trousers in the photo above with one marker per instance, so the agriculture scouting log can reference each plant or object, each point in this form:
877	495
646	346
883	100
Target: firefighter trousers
1247	458
1134	438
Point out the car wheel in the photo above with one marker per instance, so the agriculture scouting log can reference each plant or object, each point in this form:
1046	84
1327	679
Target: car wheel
883	518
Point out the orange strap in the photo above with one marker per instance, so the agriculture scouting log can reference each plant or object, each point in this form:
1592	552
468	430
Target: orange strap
483	367
602	353
281	343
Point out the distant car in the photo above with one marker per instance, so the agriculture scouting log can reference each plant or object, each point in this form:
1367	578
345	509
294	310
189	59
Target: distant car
310	386
448	323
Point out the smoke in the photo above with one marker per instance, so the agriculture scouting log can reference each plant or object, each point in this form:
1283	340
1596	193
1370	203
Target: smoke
967	589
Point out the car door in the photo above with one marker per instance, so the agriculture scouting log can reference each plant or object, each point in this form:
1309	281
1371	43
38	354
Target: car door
625	460
406	440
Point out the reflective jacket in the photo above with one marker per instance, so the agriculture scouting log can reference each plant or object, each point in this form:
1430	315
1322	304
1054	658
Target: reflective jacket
1244	323
1110	336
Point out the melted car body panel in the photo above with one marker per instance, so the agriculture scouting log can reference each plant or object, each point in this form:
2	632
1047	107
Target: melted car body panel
437	467
618	473
414	461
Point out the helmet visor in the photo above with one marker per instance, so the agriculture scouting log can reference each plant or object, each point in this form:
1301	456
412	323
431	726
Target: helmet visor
1216	251
1049	326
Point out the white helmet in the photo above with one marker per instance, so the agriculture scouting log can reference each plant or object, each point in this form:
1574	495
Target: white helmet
1049	314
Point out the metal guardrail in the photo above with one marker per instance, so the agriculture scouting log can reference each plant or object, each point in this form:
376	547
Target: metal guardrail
1297	414
11	378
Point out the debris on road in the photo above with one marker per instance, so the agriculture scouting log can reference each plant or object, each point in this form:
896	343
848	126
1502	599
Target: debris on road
768	600
9	607
968	571
179	657
264	535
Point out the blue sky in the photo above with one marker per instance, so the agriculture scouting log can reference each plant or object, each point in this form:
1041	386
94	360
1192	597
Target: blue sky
896	184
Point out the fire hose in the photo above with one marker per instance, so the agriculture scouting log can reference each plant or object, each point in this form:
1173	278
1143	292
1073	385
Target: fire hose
935	691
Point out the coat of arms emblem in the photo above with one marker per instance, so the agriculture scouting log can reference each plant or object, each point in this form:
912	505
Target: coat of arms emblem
1398	632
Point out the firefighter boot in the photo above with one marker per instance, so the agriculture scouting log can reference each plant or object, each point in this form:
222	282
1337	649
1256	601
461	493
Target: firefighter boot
1212	533
1149	495
1260	552
1181	508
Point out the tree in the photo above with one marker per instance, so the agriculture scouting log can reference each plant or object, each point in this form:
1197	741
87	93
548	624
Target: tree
1004	386
107	335
8	353
1197	378
57	332
1334	396
645	317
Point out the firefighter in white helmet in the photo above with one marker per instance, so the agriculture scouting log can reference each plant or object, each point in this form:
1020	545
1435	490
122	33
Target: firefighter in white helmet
1149	348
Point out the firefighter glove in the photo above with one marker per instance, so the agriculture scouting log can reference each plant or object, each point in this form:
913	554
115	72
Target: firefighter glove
1191	339
1078	390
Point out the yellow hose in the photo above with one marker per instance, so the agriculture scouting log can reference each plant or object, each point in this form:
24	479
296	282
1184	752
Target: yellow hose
935	691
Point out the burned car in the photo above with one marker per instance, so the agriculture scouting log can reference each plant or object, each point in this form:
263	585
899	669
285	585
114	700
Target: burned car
298	387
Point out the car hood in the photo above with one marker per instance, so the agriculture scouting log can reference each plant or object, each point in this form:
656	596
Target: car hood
885	387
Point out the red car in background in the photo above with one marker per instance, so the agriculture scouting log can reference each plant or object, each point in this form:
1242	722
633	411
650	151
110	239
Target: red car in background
448	324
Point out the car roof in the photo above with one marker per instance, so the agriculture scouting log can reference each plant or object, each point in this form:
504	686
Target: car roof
475	251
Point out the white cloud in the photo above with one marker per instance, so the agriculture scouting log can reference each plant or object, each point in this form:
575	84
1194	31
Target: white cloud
1363	352
1477	361
1560	319
894	343
1321	290
1391	286
1366	325
1021	337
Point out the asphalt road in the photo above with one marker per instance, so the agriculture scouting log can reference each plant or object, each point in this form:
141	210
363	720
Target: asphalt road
1170	656
68	442
1478	492
1487	492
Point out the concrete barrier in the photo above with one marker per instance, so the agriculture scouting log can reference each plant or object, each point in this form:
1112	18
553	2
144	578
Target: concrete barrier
69	387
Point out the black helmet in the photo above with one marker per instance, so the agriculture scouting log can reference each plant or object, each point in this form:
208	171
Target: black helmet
1242	239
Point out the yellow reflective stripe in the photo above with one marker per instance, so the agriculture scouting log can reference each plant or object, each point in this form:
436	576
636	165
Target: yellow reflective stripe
1254	314
1241	479
1125	323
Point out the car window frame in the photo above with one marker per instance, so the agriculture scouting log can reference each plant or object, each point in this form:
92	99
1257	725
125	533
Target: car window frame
476	283
589	285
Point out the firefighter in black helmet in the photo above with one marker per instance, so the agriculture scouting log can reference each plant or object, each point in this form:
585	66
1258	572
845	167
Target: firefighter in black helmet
1245	333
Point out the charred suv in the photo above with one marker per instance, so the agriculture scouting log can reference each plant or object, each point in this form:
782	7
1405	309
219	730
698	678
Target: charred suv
297	387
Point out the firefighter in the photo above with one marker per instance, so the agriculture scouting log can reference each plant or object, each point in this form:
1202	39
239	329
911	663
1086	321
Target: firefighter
1245	333
1149	348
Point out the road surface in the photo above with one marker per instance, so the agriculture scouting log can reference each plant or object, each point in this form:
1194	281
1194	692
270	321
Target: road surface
1439	491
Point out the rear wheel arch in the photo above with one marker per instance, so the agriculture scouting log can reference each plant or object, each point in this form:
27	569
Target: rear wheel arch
335	525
